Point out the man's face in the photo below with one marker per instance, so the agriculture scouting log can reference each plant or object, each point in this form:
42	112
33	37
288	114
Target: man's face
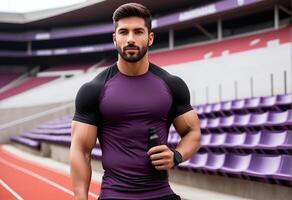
132	38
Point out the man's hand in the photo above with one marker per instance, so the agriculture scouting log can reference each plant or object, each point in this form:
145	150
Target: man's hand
162	157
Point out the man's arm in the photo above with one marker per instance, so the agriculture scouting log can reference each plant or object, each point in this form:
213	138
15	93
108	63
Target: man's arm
83	139
188	126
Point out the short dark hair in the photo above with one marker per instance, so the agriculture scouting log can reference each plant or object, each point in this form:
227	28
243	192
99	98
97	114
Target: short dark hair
133	10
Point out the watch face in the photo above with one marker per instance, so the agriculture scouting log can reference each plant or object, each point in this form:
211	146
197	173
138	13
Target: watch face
177	157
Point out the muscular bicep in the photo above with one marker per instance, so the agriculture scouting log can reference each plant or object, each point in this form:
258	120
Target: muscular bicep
187	122
83	136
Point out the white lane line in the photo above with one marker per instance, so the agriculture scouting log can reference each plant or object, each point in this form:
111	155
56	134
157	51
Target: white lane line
37	176
17	196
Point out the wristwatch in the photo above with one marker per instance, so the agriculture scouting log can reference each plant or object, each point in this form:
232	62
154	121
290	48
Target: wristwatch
177	157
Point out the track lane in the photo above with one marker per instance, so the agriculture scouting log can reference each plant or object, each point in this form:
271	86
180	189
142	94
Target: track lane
51	175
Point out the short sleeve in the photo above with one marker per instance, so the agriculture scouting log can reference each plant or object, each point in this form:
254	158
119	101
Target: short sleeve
181	97
86	105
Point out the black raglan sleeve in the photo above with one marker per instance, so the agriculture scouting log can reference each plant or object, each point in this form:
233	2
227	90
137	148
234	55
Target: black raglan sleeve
86	105
181	97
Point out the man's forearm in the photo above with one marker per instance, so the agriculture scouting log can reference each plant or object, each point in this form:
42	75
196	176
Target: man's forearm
80	173
189	144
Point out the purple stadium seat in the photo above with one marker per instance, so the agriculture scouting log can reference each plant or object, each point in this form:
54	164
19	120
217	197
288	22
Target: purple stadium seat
258	119
96	153
284	101
288	122
252	103
237	106
227	122
213	123
280	118
206	138
271	140
214	162
287	145
267	102
216	108
207	110
203	123
172	129
234	139
26	141
198	161
199	109
284	172
241	121
263	165
235	163
226	106
173	138
217	140
251	140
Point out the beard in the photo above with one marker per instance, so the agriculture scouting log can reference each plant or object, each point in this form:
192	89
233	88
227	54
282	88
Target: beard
132	57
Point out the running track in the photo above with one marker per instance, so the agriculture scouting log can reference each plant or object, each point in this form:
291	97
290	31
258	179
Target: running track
24	180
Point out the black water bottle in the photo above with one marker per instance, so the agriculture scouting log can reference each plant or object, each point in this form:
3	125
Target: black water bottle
155	141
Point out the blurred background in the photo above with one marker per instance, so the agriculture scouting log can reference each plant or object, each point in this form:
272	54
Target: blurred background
234	55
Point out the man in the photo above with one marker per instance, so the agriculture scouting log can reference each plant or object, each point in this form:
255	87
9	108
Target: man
119	106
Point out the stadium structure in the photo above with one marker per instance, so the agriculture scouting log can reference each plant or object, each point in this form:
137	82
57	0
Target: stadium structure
234	55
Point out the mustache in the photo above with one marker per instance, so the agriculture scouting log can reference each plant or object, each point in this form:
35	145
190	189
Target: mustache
131	47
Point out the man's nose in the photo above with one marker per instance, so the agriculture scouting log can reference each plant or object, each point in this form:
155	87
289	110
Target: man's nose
131	38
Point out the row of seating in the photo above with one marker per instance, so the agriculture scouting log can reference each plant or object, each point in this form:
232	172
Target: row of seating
264	140
244	106
247	122
268	120
216	49
277	167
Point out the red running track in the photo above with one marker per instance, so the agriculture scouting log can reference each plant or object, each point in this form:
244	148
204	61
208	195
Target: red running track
22	179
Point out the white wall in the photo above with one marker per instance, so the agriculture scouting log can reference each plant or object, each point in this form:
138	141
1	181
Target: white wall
240	67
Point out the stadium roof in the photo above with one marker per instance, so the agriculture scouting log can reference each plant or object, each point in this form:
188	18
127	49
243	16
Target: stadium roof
90	11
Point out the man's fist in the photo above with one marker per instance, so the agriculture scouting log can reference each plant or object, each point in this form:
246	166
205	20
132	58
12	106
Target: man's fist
161	157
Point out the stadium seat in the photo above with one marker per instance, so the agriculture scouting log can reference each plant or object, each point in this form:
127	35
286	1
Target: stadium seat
284	172
235	163
263	165
214	162
287	145
284	101
234	139
271	140
27	142
267	103
198	161
252	104
252	140
217	140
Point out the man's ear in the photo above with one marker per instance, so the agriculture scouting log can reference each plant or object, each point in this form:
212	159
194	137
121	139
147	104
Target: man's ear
114	39
151	38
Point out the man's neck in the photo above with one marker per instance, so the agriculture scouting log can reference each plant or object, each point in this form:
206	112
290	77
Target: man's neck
133	69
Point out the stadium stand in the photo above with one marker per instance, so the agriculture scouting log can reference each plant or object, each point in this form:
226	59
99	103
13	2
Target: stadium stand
255	154
27	85
217	49
235	57
7	77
